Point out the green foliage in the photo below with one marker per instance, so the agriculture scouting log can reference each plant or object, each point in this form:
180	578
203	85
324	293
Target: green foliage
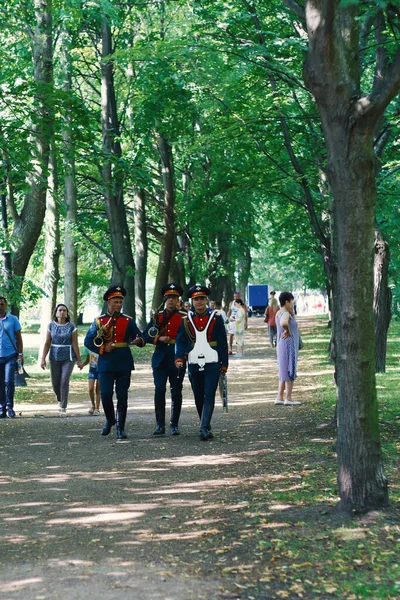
218	81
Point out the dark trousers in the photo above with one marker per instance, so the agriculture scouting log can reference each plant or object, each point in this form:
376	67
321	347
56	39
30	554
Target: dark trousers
161	375
204	386
60	375
7	385
122	381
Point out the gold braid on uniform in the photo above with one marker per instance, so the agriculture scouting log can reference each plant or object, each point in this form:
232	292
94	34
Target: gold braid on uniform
190	335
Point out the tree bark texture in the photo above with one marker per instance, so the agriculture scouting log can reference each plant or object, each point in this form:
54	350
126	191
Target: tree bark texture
141	257
52	251
123	267
6	269
382	300
70	191
332	73
28	224
177	269
168	237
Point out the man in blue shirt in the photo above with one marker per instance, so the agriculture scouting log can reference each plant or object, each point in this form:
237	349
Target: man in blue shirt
11	348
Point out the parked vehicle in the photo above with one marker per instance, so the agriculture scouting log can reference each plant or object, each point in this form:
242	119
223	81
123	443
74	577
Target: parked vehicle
257	299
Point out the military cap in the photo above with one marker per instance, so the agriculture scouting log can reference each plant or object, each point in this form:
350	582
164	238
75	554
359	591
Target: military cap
115	291
198	290
171	289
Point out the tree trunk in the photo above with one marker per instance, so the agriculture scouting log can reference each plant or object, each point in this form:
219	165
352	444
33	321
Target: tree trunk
382	300
332	73
168	238
362	483
141	257
6	269
177	270
28	224
123	268
70	192
52	251
244	268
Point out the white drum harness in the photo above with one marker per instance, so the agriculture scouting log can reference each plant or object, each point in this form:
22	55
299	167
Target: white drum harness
202	352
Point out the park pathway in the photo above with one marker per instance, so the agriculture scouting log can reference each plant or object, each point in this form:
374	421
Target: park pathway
147	518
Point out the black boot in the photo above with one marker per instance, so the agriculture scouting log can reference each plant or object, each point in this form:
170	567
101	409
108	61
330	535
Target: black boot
107	428
121	418
159	430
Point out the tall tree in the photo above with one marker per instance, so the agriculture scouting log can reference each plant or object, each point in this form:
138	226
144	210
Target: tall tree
28	222
70	190
123	272
52	250
349	116
141	257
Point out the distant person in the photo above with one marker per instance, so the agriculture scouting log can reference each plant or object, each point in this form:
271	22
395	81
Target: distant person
287	348
270	318
62	341
186	306
111	335
92	358
11	350
161	332
233	308
222	313
239	328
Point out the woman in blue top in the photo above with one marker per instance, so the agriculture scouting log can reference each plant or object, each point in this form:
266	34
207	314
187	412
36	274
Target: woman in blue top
62	341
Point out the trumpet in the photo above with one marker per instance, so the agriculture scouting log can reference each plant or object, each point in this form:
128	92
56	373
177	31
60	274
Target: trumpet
154	331
103	332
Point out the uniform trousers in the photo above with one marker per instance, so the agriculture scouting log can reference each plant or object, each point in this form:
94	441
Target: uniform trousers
161	374
204	385
7	385
122	381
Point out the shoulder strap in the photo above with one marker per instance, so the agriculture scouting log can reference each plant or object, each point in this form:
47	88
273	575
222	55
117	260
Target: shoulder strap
9	336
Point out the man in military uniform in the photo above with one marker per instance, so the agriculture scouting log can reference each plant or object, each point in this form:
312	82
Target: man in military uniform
162	331
202	341
110	336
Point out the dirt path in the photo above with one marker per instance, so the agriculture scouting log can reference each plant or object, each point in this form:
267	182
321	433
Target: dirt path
149	518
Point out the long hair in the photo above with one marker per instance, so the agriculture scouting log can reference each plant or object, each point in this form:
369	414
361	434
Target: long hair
67	318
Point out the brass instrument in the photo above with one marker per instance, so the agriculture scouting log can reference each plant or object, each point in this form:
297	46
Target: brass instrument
104	333
153	331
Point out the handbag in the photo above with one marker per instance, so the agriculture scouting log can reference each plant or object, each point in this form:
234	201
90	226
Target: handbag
301	343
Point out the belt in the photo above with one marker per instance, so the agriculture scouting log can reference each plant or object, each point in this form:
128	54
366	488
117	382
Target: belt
212	344
119	344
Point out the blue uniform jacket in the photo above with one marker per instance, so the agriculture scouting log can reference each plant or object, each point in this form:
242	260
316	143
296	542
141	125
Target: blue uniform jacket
215	334
167	324
119	359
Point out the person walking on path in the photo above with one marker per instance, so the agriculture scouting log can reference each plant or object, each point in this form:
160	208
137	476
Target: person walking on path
11	350
201	341
239	328
232	311
287	348
270	318
161	332
92	359
62	341
110	336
